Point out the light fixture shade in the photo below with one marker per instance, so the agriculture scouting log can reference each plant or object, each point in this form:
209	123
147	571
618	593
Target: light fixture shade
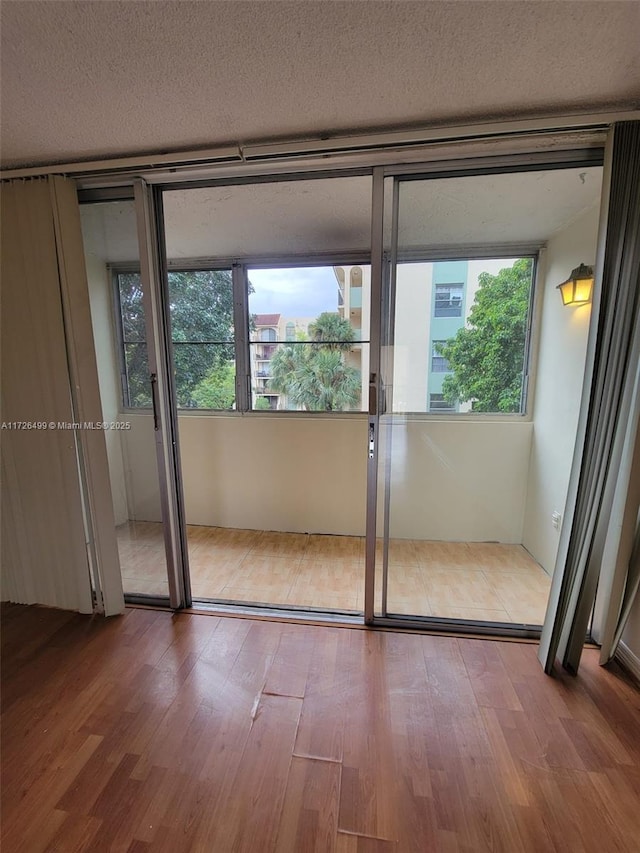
576	290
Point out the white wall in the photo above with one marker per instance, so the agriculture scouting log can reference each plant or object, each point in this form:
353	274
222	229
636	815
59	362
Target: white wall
558	387
457	480
411	354
450	479
259	472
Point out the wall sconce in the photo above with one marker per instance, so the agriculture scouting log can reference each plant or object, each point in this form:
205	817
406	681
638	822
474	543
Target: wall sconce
576	290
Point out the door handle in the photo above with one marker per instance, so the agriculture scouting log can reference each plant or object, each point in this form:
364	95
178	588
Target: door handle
373	396
153	379
373	413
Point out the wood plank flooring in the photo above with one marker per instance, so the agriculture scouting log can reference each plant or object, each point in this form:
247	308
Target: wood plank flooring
162	732
456	580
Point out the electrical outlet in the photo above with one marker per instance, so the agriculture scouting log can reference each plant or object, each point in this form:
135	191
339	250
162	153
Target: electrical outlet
555	519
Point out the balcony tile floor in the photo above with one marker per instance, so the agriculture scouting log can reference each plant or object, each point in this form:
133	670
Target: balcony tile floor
456	580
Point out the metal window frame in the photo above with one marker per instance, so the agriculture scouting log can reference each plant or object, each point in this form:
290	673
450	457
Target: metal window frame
153	272
393	147
376	296
240	268
241	310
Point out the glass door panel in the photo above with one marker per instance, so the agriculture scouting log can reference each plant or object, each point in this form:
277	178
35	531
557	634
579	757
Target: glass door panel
274	462
462	450
120	335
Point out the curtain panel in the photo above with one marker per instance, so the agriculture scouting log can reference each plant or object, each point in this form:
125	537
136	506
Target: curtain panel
606	412
46	544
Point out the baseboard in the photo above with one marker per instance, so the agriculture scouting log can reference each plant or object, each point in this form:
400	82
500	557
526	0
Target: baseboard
628	659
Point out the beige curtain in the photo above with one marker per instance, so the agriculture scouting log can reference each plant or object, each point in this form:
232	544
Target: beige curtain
46	545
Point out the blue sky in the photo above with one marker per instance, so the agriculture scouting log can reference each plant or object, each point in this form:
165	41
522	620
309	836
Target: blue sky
301	292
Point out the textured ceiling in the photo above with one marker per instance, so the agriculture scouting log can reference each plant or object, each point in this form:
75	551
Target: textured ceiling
92	79
333	215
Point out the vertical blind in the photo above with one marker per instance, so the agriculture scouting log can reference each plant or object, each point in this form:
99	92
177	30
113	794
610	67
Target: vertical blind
45	546
608	408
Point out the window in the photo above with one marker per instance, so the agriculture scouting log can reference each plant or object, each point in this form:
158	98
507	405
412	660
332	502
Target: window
201	312
448	300
487	346
437	403
134	370
319	364
439	364
314	359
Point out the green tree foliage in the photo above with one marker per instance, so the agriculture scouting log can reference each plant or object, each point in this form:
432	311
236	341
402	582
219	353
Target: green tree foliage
133	334
333	331
201	311
218	388
314	375
486	357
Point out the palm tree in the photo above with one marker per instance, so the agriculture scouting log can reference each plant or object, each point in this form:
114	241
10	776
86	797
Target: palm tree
333	329
314	375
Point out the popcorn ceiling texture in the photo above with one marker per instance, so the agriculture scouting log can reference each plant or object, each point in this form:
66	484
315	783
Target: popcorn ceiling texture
94	79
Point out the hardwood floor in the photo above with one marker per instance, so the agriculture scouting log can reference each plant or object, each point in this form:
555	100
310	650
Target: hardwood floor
456	580
162	732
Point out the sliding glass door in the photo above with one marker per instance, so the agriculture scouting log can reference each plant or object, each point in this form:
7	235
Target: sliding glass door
126	312
311	411
470	471
269	303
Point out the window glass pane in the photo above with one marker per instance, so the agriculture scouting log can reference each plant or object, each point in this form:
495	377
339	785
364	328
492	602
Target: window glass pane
201	309
201	303
306	340
438	403
448	300
136	391
137	375
131	307
205	375
466	320
439	364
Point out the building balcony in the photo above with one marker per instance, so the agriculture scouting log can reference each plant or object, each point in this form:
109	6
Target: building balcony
355	297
